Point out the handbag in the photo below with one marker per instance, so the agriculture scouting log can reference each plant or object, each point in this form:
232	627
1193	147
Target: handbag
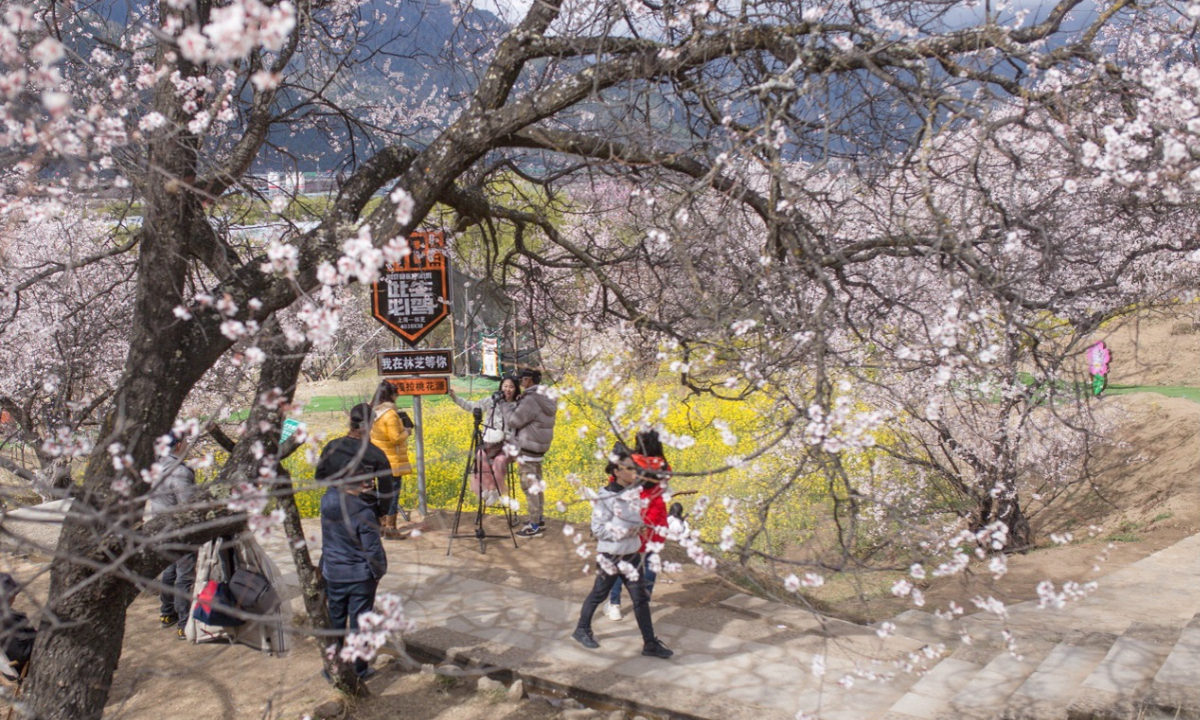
493	436
213	602
252	592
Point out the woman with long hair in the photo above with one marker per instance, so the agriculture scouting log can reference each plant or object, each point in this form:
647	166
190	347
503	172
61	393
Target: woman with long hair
492	461
390	434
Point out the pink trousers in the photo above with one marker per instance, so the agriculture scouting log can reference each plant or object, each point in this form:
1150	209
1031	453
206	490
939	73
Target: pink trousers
490	473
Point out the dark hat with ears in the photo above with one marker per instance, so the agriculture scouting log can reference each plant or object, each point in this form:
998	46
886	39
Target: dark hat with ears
648	443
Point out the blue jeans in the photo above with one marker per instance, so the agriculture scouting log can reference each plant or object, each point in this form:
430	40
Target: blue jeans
176	598
346	602
649	575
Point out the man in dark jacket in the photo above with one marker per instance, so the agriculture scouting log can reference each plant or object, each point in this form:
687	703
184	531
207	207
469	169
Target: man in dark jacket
532	423
352	556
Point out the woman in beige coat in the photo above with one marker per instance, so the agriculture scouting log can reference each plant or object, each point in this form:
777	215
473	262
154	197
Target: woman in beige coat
390	433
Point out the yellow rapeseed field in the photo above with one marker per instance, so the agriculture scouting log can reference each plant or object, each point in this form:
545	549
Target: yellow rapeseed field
709	443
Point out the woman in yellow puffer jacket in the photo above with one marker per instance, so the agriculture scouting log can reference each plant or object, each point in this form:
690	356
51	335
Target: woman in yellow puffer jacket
390	433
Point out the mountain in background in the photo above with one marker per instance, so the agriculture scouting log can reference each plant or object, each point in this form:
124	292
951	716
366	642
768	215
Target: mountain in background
407	60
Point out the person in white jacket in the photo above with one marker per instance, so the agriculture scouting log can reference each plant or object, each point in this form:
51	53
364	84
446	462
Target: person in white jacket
617	524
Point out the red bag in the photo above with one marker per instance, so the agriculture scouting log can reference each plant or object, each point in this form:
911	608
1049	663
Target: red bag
212	603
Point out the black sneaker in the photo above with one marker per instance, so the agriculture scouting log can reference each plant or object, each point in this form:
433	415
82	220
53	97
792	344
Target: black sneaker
168	620
655	648
181	634
531	530
584	637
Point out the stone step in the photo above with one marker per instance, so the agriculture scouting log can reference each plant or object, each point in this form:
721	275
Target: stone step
779	613
1176	686
1049	690
931	695
1118	685
989	691
848	641
926	627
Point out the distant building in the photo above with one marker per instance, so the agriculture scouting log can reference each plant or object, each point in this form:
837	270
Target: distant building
297	183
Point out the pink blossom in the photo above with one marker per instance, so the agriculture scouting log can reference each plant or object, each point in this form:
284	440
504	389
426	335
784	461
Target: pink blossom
404	205
47	52
20	18
192	45
265	80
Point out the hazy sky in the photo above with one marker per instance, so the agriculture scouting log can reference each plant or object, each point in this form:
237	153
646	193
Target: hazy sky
513	11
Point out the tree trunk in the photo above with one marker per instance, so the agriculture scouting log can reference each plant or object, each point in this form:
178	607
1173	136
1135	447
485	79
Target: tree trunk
281	370
1006	509
79	641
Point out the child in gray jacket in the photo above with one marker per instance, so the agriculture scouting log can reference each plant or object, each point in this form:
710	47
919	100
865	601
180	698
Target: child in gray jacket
617	525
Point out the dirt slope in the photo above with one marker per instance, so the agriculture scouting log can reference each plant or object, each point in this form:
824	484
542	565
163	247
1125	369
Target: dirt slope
1160	347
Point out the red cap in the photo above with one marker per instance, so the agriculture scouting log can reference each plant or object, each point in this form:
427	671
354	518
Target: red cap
648	462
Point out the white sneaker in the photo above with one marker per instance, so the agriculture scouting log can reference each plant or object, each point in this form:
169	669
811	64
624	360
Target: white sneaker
612	611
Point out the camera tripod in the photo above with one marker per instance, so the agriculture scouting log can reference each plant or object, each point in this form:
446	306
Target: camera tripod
472	467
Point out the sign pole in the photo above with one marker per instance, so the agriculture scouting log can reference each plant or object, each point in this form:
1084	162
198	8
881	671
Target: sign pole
453	346
420	423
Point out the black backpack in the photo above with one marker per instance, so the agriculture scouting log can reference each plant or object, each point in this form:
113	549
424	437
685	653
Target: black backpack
252	592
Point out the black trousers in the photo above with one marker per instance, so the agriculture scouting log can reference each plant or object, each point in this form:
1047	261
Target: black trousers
637	593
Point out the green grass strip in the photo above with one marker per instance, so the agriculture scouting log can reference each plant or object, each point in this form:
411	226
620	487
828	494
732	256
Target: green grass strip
1187	393
473	387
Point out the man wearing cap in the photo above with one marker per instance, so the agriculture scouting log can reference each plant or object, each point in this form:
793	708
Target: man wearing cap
352	556
532	423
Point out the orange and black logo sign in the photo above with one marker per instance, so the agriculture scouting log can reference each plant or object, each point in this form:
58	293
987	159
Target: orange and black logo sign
413	296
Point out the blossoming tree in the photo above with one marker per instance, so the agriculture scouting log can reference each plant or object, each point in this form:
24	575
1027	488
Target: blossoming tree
809	144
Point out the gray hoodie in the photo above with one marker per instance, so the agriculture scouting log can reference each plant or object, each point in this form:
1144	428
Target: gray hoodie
617	520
